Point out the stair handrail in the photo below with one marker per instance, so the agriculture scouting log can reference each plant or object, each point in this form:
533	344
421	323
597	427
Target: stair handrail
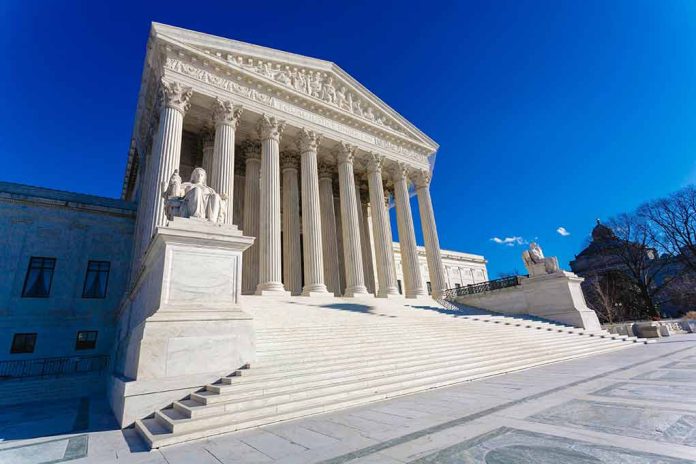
56	366
482	287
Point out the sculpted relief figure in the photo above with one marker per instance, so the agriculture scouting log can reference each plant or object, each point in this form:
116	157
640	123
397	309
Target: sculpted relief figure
536	263
193	199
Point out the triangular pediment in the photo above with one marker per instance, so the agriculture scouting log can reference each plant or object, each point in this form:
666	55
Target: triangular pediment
319	80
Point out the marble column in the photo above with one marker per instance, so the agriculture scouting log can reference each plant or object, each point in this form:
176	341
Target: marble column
355	281
436	268
384	251
307	143
166	153
339	240
328	229
239	187
226	117
365	247
250	258
208	135
407	236
292	250
270	278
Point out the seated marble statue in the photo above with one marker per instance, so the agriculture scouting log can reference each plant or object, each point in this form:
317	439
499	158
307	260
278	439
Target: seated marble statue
193	199
536	263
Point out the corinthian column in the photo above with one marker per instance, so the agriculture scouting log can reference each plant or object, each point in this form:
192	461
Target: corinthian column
292	250
365	247
226	117
384	251
407	236
250	258
328	229
355	283
436	269
239	184
165	155
270	282
311	215
208	135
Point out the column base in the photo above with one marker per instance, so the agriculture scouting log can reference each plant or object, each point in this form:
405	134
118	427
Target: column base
359	291
417	296
390	292
316	290
271	289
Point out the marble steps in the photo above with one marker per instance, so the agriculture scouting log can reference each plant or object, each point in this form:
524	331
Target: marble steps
216	394
295	361
269	378
170	426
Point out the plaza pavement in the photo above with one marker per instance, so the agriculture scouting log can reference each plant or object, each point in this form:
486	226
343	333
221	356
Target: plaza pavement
629	406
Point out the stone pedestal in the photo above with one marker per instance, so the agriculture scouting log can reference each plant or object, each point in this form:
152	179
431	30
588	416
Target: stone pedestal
181	327
558	297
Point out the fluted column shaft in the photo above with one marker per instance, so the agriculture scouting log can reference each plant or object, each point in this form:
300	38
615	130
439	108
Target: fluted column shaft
384	251
239	187
270	260
407	237
339	240
307	143
328	230
365	247
250	258
226	118
355	282
292	249
436	268
166	154
208	149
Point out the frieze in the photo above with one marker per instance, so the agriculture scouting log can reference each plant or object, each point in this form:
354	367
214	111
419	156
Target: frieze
229	85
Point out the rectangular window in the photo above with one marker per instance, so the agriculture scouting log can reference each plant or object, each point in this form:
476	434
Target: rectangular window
96	279
430	288
86	340
398	282
23	343
37	283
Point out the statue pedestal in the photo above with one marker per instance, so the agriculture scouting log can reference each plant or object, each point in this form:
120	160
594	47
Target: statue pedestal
558	297
181	326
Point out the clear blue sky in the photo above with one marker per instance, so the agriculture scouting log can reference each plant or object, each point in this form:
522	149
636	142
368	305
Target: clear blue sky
548	113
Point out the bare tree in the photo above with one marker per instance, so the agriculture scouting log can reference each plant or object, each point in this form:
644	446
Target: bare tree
673	224
638	253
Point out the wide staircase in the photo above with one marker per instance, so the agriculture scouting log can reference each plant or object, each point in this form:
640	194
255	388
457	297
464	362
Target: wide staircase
319	355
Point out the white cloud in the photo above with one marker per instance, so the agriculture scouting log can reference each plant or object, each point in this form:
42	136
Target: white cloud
509	241
562	231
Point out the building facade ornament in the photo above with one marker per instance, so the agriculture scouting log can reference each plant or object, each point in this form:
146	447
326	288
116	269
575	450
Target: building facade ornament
422	179
375	162
308	140
174	95
345	152
224	112
269	128
251	149
326	170
289	159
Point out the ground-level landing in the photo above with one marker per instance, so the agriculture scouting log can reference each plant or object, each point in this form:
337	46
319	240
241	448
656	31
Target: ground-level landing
636	405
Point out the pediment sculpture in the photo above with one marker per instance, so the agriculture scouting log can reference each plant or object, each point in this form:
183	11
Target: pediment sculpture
536	263
193	199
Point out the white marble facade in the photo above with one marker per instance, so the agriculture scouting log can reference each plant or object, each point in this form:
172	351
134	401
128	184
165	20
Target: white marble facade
293	120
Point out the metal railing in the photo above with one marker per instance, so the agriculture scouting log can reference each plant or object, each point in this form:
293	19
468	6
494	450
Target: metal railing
24	368
473	289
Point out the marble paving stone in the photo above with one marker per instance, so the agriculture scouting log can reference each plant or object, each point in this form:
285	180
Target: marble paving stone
669	375
193	453
680	365
310	439
511	446
653	392
637	421
270	444
50	451
229	450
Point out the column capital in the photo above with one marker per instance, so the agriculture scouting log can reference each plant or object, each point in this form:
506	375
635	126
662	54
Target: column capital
375	163
289	159
308	140
345	152
422	179
326	170
269	127
251	149
174	95
224	112
400	172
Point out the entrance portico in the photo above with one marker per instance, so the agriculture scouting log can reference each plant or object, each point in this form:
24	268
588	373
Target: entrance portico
207	102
